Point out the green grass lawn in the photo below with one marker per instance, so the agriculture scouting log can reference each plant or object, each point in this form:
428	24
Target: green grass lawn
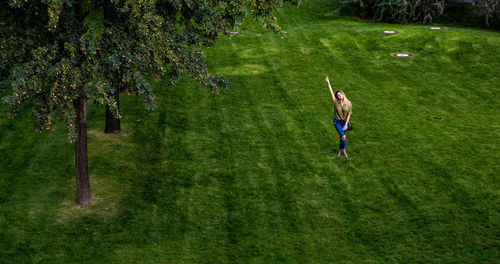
250	175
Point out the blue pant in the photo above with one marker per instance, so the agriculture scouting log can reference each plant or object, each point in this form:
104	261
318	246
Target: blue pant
339	125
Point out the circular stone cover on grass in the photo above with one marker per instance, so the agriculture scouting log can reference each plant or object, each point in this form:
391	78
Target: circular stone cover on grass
388	32
435	28
402	54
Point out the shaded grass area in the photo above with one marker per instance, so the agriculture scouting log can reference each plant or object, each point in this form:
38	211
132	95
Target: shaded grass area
250	174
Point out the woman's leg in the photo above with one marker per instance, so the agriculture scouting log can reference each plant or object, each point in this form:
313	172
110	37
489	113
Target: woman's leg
339	125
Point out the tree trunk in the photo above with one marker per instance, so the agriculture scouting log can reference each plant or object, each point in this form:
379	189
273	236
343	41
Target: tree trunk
113	123
81	158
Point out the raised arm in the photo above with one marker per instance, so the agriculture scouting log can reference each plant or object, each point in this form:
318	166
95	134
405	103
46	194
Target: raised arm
330	87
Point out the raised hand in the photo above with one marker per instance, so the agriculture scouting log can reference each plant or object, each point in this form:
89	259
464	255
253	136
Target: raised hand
330	87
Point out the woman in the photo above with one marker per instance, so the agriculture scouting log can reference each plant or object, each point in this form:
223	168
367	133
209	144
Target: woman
342	113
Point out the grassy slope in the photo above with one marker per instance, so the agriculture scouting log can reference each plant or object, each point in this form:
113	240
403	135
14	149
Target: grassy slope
250	174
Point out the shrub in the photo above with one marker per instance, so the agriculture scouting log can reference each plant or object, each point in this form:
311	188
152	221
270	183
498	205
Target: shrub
490	8
403	11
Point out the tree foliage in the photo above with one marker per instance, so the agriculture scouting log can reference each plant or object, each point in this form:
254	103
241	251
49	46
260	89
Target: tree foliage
51	52
490	8
403	11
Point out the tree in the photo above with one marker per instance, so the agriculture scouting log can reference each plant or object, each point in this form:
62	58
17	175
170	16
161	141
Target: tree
189	26
57	56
